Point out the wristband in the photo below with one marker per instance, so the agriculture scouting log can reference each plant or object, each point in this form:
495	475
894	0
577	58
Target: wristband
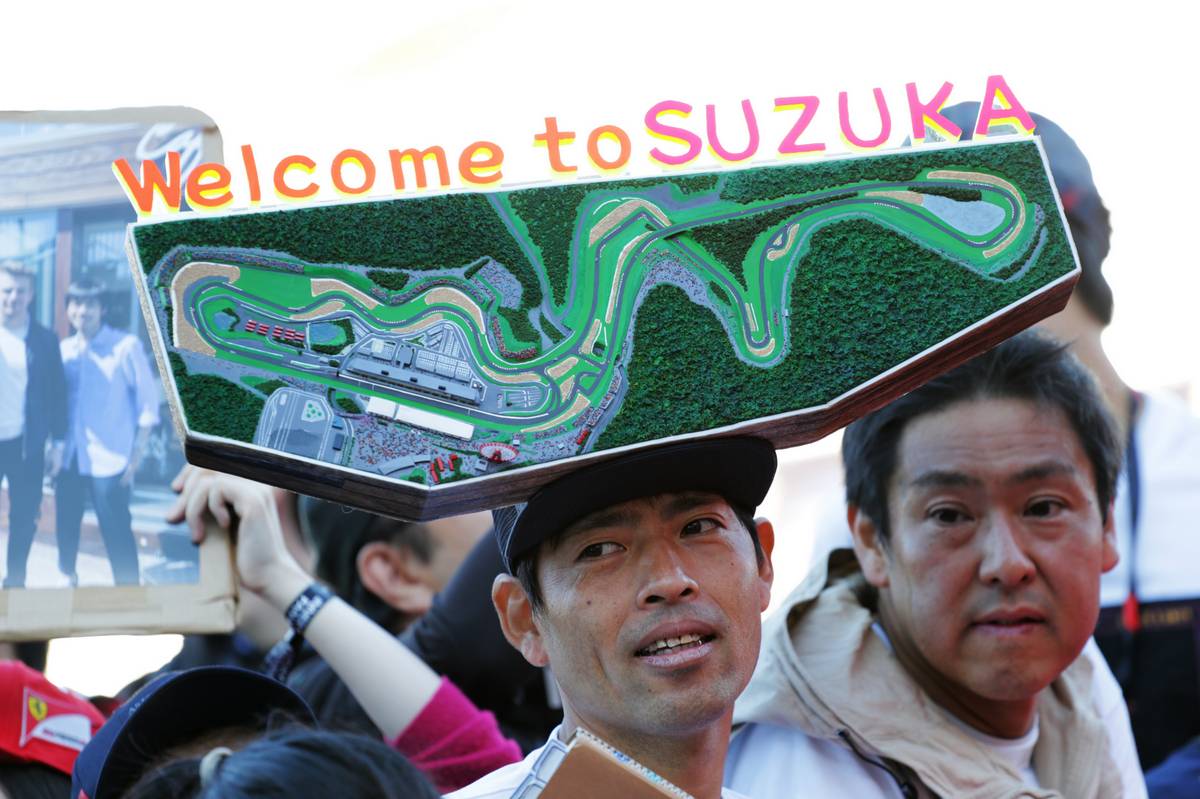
300	613
304	607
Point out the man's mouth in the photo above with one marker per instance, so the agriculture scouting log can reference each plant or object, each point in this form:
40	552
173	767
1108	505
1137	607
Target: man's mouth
1014	619
666	646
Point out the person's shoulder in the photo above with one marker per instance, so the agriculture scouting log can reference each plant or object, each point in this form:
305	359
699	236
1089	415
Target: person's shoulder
1176	777
500	784
1167	423
1105	690
124	345
755	745
1109	704
120	338
1167	404
769	761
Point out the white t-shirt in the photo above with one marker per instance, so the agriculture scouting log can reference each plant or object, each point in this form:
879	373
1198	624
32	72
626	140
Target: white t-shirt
1016	752
501	783
770	762
14	377
1168	538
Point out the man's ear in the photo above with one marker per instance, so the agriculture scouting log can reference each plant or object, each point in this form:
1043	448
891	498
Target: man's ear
395	575
516	619
766	571
868	546
1110	554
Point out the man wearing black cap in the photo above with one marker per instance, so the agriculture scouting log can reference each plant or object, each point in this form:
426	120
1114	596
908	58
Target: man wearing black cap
640	582
113	399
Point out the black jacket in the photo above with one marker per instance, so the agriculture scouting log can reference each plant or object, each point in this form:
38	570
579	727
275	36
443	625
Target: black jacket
45	391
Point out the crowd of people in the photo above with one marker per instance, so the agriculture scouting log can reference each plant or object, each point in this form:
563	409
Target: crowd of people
965	639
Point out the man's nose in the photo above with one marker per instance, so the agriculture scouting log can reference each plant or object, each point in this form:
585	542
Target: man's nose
665	576
1005	562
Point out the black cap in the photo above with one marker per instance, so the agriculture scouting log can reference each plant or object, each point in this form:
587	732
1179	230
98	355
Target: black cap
1085	211
171	711
738	469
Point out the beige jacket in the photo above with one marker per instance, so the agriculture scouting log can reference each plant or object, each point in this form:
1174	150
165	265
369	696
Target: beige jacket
824	671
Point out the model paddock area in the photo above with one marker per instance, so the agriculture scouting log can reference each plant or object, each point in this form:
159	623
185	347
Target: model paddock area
437	338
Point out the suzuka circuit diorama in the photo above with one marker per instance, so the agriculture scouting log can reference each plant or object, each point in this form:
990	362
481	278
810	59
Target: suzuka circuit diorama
393	350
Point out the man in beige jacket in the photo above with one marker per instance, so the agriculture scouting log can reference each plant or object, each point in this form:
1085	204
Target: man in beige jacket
942	657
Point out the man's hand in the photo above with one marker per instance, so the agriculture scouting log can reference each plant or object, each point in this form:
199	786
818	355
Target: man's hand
135	457
54	459
247	509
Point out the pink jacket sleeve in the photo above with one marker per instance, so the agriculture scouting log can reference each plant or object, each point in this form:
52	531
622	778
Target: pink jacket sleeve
453	742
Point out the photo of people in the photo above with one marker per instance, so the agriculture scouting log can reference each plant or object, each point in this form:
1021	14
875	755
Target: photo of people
87	449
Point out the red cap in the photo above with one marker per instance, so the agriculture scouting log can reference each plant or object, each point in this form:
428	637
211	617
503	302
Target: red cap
41	723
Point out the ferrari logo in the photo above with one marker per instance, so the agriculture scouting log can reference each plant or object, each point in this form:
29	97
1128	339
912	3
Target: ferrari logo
37	708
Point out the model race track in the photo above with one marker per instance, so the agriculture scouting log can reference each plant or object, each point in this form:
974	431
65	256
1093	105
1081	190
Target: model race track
617	241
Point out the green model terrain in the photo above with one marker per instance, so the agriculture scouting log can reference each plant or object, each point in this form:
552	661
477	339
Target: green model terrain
722	297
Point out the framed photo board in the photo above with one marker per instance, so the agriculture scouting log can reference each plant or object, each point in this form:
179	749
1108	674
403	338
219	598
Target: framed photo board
205	603
85	456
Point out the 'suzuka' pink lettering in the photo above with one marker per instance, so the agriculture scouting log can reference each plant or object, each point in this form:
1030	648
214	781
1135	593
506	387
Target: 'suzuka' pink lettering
885	122
919	112
672	133
710	118
808	105
1010	111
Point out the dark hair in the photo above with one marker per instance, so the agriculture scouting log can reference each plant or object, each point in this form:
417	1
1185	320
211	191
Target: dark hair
1029	366
86	291
336	535
33	781
290	763
32	653
525	568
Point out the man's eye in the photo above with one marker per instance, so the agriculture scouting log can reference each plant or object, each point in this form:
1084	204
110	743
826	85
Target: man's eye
599	550
698	526
948	515
1044	508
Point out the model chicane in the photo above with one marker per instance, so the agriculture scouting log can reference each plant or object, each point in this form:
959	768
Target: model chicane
438	338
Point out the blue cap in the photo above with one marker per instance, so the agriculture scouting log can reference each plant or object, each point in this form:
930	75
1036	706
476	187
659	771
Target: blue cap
171	711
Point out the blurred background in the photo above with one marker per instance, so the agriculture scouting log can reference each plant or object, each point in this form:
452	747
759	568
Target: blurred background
353	74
